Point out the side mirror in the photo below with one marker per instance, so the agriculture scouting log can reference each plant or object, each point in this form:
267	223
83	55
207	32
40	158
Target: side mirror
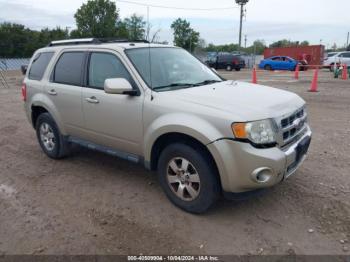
119	86
24	69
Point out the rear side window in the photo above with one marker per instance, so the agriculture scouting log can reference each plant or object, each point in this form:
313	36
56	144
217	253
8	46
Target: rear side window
39	65
68	69
104	66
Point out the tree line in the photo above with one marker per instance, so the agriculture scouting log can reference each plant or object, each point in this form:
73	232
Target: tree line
101	19
95	18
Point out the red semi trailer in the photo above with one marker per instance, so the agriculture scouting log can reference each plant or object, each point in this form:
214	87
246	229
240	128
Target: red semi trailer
313	54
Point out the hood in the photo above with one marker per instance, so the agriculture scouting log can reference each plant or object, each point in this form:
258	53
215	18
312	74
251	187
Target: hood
245	101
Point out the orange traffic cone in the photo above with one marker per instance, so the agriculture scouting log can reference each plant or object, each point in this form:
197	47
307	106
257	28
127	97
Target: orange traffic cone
313	87
254	77
296	72
345	72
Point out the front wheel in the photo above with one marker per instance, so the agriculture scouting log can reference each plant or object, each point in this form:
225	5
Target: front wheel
228	68
188	178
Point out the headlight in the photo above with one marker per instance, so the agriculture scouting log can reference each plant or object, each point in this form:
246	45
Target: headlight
258	132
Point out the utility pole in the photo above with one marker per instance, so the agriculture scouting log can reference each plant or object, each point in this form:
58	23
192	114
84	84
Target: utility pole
241	3
245	41
148	24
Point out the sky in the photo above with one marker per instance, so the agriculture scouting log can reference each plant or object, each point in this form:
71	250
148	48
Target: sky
318	21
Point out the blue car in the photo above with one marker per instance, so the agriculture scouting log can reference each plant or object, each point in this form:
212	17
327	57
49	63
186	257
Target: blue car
279	63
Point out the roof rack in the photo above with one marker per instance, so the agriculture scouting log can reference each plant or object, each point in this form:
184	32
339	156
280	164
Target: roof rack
84	41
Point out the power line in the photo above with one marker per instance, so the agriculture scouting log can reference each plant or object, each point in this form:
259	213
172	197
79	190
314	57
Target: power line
177	8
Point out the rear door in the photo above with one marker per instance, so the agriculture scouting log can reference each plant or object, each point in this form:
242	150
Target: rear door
112	120
65	90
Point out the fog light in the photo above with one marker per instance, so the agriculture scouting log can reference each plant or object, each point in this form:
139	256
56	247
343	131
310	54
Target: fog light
262	175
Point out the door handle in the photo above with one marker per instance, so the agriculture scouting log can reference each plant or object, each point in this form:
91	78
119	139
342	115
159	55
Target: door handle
92	100
52	92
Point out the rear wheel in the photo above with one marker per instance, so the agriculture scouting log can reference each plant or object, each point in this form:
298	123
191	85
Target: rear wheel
228	68
268	67
238	69
50	139
187	178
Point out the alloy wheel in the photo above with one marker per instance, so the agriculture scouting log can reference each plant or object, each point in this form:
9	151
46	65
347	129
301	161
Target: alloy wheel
183	179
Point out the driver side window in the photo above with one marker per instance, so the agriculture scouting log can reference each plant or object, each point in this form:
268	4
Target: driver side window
103	66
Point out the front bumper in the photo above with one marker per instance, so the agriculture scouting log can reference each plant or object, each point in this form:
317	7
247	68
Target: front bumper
239	163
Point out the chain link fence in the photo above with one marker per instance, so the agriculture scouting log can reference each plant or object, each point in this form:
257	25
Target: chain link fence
10	64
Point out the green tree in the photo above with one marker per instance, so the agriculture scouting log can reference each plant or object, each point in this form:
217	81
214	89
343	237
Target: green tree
287	43
17	41
222	48
97	18
122	31
305	43
281	43
46	35
135	26
184	35
258	47
75	34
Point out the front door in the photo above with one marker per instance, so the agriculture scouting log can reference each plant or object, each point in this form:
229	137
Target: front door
111	120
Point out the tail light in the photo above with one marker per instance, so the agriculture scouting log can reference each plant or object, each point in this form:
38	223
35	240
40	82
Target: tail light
24	92
235	62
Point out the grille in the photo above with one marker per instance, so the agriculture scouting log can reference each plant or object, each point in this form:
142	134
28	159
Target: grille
292	126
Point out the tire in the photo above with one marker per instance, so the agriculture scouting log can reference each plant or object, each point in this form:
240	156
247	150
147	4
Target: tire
50	139
268	67
228	68
199	180
238	69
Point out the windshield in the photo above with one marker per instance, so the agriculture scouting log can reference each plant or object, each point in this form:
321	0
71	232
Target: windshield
165	68
331	54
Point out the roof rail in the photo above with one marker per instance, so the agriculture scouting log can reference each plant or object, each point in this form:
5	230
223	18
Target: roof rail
83	41
80	41
118	40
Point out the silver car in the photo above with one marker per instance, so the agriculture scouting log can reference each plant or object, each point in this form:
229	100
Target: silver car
161	107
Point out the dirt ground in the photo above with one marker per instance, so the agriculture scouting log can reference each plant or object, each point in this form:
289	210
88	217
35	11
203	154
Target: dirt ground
93	203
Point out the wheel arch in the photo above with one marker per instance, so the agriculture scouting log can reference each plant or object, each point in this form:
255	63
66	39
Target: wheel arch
39	104
174	137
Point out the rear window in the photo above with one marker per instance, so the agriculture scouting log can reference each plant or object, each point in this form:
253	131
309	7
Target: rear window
39	64
68	69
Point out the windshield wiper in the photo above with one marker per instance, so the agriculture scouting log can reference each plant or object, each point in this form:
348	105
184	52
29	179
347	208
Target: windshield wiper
207	82
186	85
173	85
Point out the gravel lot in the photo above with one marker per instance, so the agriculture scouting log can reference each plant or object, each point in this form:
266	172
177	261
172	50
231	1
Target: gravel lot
92	203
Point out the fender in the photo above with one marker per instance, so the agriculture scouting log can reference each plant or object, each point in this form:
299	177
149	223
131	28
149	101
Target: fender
181	123
39	99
